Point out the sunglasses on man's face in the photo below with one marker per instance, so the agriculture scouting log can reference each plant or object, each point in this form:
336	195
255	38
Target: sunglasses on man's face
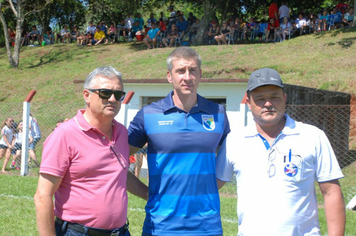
107	93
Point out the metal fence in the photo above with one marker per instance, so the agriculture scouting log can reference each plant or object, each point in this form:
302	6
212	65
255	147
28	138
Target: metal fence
334	120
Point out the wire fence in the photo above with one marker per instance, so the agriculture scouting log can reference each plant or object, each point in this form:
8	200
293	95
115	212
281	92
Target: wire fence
333	120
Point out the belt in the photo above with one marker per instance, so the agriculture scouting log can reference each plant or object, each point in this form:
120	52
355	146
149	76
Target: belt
93	231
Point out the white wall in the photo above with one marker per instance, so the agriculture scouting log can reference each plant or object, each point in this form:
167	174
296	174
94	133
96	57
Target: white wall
233	92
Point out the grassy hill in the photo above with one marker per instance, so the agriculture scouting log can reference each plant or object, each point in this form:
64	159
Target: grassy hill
324	60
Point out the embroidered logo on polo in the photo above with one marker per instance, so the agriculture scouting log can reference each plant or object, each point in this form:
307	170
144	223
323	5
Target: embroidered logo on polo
283	160
291	170
208	122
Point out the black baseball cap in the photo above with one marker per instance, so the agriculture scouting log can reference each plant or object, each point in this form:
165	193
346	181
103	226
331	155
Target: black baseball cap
262	77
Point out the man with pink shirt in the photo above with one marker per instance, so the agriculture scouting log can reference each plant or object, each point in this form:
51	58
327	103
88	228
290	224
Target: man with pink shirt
85	166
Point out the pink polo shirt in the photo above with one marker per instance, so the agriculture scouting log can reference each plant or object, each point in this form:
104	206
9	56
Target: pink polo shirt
93	188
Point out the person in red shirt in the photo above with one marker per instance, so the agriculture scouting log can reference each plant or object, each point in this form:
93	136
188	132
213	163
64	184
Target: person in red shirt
273	10
162	25
273	26
342	6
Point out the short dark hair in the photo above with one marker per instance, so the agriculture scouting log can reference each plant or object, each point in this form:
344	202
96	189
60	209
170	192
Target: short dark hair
183	53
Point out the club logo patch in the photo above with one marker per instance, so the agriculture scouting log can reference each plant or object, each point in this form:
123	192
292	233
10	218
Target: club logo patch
208	122
291	170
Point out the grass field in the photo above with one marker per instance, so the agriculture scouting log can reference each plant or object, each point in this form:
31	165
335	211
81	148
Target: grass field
18	216
326	60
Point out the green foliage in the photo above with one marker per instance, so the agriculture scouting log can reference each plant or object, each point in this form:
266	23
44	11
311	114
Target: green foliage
111	10
68	12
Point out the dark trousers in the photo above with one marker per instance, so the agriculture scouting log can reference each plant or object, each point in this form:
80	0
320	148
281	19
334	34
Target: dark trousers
64	228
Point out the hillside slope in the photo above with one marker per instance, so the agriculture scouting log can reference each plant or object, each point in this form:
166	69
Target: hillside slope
325	60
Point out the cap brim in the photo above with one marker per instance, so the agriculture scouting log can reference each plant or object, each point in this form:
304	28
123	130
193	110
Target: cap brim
265	84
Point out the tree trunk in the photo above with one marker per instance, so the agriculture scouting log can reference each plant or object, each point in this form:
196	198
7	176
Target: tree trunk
19	22
45	19
354	23
14	58
209	12
7	42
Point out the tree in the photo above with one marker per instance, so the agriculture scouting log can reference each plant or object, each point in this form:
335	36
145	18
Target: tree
209	11
19	10
65	12
354	23
111	10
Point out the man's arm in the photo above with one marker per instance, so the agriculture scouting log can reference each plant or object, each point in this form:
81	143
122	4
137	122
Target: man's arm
334	207
47	186
136	187
133	184
276	15
157	33
133	150
220	183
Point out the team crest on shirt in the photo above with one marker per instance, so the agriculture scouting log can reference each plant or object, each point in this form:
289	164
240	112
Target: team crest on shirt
291	170
208	122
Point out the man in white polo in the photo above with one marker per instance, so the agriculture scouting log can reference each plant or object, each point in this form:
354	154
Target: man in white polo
277	161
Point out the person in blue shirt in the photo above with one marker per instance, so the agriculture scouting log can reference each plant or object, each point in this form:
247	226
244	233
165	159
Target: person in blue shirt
348	19
182	25
151	36
151	20
140	20
338	17
135	28
323	20
183	131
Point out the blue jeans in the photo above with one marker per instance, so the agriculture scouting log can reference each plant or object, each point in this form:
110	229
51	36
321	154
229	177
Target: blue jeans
61	230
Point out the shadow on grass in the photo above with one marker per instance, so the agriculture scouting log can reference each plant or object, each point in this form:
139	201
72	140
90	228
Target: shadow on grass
344	42
138	46
67	54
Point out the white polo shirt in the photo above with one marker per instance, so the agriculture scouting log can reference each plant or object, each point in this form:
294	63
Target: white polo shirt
275	185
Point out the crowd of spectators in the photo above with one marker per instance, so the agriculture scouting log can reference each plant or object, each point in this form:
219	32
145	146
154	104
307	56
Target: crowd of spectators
176	29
